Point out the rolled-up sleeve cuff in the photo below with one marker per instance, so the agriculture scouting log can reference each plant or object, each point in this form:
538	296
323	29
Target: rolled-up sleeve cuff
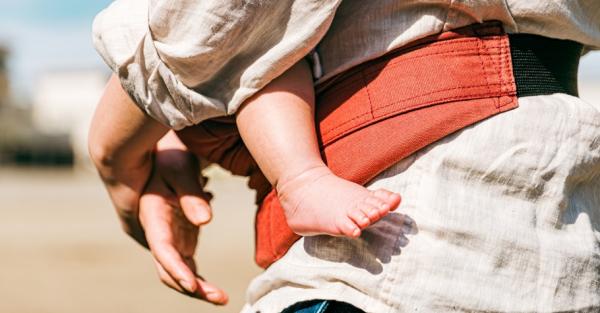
122	38
220	70
156	89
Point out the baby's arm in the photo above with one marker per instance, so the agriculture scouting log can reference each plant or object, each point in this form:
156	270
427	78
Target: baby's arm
277	126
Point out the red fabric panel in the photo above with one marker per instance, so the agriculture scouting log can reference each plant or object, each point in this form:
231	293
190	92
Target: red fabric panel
218	141
377	113
374	115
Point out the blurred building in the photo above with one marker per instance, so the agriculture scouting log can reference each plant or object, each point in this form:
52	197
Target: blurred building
4	96
51	130
63	104
15	133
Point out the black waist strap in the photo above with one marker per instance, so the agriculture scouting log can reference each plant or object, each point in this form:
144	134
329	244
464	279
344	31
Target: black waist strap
544	65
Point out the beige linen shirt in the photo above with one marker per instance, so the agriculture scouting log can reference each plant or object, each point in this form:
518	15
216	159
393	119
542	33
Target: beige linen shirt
506	219
506	212
186	61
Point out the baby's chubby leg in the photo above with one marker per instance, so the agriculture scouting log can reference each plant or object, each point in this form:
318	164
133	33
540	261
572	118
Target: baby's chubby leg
277	126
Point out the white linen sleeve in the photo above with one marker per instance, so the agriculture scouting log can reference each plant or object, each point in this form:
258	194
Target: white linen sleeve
186	61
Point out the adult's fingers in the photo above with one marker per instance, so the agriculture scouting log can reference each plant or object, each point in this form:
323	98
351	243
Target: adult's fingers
176	268
211	293
166	279
196	209
184	181
205	290
192	199
155	215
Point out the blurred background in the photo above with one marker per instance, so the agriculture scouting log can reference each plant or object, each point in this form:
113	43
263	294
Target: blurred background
60	244
61	248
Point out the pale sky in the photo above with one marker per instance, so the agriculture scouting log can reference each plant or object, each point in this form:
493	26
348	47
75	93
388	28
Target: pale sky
44	35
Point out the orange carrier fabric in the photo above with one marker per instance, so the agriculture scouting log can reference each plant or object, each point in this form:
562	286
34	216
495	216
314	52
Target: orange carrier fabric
375	114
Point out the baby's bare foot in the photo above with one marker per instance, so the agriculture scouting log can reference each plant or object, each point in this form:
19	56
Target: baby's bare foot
318	202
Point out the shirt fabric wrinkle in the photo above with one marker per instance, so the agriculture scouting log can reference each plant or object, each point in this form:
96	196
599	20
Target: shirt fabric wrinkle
215	54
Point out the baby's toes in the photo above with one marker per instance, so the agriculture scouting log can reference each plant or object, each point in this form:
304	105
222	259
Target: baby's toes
391	199
360	218
379	208
372	209
348	228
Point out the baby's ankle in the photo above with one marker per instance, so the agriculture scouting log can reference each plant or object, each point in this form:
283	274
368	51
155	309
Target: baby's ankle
301	176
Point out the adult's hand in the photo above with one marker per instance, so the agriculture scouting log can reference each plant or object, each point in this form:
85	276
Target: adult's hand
171	210
174	205
122	141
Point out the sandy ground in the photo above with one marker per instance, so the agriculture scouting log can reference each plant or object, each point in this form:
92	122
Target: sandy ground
62	250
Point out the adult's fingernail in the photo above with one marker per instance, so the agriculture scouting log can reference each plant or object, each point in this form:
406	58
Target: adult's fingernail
215	297
202	215
187	285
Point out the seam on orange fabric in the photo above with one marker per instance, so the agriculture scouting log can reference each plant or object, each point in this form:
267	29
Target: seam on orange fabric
512	87
464	97
443	100
508	64
403	60
366	87
502	104
436	101
391	65
483	45
508	72
480	43
447	42
416	49
508	85
328	141
499	102
340	87
501	67
347	82
483	31
493	61
502	78
506	76
501	75
392	55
